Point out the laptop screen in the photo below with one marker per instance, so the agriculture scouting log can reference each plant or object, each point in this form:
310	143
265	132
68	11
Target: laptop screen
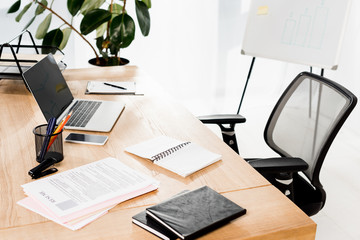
49	87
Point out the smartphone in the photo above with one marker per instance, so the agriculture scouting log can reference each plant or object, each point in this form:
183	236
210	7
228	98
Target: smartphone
86	138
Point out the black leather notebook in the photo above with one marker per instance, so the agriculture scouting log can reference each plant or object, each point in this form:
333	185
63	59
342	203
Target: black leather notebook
142	220
153	226
194	213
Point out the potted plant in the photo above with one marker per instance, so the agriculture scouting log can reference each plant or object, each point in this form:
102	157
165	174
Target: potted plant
115	28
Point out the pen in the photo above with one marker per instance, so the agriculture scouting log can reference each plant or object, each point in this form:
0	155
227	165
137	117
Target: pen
49	131
112	85
59	128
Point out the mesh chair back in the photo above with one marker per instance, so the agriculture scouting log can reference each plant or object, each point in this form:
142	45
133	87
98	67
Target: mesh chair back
307	118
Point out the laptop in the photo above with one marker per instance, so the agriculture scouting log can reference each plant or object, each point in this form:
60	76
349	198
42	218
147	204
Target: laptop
52	94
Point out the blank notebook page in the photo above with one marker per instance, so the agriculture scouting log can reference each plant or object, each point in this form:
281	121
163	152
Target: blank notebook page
188	160
165	152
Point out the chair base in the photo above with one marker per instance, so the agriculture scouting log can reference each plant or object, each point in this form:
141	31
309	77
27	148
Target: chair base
308	198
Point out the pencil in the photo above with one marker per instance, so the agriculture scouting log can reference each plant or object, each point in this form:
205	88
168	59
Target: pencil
59	128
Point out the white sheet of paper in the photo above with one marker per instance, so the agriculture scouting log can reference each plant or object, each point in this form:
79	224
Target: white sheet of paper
75	190
100	87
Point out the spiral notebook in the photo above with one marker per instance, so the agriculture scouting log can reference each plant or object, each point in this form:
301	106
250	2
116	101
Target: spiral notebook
182	158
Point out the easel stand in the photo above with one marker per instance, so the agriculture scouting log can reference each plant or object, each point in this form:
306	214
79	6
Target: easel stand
227	122
228	133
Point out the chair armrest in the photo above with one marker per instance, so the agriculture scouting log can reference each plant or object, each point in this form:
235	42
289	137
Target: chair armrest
278	165
227	123
222	119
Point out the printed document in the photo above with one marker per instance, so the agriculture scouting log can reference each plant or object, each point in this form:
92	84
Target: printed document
89	188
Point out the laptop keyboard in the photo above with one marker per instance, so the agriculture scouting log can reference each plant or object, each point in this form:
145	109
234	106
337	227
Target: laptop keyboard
82	113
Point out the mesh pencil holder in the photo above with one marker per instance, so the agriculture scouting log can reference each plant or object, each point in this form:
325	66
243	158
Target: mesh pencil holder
56	148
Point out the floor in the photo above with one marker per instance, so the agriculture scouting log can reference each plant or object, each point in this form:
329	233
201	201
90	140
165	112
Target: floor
340	217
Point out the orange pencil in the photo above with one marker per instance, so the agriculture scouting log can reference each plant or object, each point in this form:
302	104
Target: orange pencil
59	128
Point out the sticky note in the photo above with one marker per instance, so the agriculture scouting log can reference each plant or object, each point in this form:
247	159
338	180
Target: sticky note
262	10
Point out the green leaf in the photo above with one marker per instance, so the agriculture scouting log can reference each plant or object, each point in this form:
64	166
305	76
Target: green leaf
143	17
104	54
74	6
14	7
29	23
114	49
18	17
39	10
122	31
100	31
43	27
52	38
89	5
66	35
147	2
93	20
116	9
99	42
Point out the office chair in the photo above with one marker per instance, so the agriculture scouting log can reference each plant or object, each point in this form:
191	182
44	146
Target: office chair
301	128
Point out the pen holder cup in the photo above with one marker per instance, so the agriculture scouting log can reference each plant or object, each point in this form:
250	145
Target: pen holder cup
56	147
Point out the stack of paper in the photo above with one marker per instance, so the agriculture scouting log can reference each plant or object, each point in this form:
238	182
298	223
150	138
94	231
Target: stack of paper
78	196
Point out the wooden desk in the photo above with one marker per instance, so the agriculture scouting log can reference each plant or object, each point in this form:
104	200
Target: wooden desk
270	215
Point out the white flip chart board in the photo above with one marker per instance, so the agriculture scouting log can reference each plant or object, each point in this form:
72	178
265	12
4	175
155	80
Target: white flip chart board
308	32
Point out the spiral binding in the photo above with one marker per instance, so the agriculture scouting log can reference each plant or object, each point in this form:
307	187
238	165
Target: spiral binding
165	153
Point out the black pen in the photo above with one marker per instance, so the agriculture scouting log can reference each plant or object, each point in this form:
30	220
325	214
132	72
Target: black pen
49	130
111	85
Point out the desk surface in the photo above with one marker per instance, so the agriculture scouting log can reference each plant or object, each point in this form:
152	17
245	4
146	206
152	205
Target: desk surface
270	215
